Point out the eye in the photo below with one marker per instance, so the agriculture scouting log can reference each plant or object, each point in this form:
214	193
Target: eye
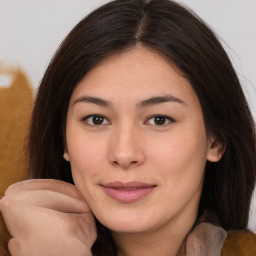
95	120
159	120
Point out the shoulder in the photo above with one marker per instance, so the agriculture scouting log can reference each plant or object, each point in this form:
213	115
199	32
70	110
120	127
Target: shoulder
239	243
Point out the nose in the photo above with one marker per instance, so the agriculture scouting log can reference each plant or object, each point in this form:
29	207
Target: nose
126	148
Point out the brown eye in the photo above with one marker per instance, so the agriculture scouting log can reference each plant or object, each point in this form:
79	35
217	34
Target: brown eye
159	120
96	120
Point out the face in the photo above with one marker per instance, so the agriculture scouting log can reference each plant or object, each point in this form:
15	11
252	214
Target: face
137	143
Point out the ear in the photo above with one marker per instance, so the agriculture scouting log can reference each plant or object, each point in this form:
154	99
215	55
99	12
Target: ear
66	156
216	149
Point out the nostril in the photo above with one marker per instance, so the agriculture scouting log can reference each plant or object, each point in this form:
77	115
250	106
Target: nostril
123	164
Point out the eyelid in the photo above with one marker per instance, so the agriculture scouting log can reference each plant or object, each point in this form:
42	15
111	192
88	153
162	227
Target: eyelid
84	119
170	119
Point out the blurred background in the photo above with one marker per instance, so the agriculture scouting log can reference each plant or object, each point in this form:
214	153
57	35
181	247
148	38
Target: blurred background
31	31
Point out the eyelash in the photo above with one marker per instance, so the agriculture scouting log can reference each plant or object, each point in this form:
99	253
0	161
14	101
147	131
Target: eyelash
85	119
166	118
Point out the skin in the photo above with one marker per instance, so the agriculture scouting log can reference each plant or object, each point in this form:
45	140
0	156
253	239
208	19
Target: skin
32	208
130	146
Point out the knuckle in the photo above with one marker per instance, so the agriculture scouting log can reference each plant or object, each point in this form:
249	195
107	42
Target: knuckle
8	206
12	188
5	203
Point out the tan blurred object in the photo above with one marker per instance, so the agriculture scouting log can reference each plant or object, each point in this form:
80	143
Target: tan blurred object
16	100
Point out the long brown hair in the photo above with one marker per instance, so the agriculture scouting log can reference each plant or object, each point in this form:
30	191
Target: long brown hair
179	35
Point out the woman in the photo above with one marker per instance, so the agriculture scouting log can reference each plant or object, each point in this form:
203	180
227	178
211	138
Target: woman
142	111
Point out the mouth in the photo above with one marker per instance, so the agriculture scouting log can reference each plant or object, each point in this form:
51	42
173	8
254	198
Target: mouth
128	192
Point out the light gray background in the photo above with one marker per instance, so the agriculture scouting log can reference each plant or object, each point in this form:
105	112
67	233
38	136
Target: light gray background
31	30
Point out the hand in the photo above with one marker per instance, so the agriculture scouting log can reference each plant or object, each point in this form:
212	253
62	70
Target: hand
47	218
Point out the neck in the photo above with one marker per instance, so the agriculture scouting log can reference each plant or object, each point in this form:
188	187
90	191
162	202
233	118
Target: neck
164	241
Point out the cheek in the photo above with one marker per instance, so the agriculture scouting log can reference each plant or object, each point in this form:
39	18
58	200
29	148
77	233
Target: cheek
179	149
180	167
181	159
86	156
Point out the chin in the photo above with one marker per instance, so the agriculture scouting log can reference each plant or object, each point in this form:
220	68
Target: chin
126	226
126	221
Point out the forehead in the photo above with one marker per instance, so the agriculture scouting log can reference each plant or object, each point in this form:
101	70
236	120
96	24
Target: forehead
135	74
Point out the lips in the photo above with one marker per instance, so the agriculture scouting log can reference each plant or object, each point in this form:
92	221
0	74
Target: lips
128	192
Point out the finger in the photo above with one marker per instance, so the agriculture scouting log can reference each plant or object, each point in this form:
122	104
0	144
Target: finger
30	223
23	221
44	184
50	199
14	247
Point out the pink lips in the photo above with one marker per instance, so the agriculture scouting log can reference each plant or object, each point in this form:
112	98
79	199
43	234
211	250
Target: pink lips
128	192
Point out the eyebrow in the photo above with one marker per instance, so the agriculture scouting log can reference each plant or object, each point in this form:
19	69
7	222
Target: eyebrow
158	100
148	102
94	100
